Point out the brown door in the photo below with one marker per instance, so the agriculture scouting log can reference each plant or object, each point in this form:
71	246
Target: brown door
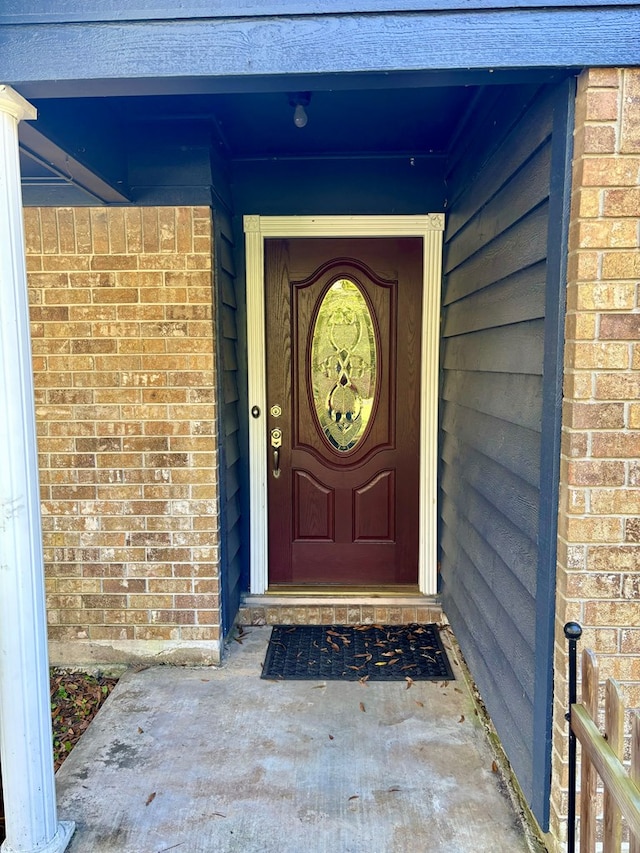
343	397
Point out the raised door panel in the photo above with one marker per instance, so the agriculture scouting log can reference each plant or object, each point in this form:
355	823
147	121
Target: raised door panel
374	509
313	509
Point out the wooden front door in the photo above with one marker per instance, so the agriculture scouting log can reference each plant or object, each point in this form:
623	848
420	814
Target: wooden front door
343	331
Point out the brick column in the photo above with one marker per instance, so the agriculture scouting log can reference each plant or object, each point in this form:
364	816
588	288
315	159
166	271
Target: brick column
598	579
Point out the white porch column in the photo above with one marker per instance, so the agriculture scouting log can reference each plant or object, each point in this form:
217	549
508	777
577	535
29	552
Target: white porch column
25	712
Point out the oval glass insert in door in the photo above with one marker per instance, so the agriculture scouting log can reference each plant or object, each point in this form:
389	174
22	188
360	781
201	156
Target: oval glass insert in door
344	365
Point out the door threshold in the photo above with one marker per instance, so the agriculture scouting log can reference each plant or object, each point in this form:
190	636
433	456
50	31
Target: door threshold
340	606
307	597
342	590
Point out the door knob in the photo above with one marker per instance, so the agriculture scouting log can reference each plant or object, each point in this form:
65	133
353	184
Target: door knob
276	443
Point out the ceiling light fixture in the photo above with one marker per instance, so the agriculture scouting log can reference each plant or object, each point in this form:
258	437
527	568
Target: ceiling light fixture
299	100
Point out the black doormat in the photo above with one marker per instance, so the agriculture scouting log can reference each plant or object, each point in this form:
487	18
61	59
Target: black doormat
356	653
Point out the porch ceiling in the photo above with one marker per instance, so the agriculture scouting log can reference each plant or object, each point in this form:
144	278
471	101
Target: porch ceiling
84	149
341	123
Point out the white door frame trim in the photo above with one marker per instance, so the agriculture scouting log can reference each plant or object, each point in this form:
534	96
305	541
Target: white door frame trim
257	229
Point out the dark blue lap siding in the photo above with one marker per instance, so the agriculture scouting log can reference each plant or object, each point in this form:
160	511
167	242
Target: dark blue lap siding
503	271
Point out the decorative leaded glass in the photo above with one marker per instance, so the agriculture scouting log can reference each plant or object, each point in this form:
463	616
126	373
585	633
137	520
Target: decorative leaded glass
343	365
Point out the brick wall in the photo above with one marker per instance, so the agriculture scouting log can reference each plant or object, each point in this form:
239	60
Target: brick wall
599	516
123	352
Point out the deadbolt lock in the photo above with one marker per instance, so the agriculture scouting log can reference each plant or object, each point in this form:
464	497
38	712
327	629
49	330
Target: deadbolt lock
276	411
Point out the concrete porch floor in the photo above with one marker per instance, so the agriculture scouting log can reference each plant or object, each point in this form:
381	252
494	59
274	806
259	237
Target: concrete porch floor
201	759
